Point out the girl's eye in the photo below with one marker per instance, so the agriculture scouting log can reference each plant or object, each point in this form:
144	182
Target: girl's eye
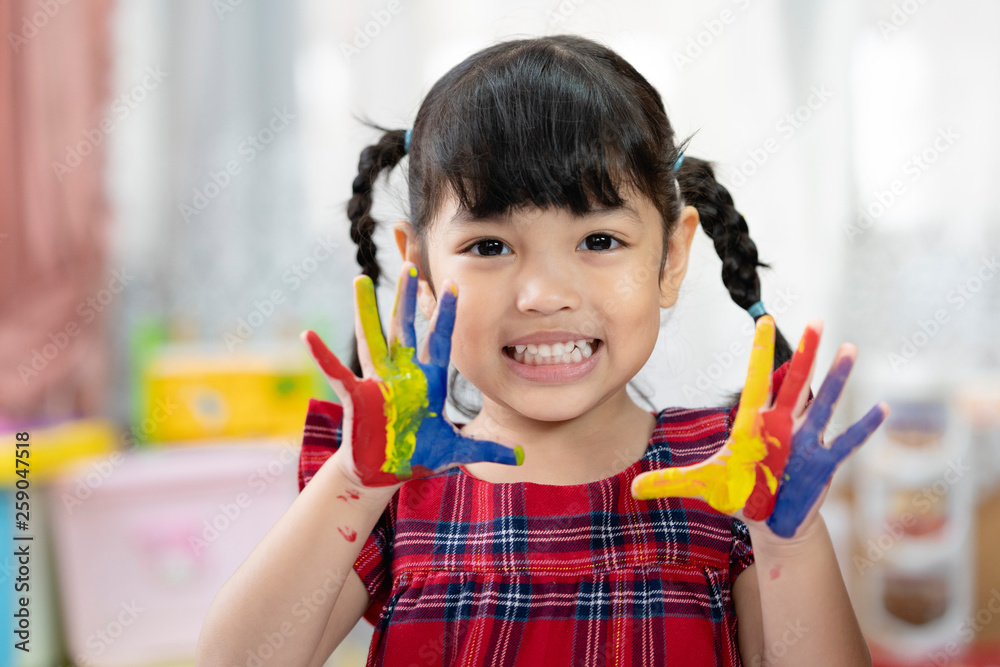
600	241
488	248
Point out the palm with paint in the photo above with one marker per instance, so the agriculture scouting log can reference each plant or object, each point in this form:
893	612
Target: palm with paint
393	426
774	466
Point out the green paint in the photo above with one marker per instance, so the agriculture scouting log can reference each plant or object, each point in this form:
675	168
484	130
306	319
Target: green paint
403	385
405	391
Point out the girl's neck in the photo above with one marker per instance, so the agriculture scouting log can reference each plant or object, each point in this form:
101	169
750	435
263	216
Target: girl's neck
597	444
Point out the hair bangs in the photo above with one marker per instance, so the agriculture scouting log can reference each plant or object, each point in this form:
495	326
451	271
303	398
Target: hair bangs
540	128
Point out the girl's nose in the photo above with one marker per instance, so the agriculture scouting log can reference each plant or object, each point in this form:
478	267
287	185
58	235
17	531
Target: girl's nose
547	287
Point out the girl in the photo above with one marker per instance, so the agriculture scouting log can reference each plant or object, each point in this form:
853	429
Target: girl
551	220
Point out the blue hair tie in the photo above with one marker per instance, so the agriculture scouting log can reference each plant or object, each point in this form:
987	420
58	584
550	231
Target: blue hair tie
757	310
680	161
406	141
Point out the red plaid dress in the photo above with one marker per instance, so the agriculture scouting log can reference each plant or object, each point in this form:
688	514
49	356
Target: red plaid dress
462	571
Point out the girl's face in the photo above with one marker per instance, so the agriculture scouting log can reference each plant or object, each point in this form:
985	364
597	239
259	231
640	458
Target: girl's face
556	312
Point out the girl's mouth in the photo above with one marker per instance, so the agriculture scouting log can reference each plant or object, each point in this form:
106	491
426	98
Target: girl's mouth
568	352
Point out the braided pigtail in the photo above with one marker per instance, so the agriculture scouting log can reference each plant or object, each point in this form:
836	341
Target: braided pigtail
385	154
728	230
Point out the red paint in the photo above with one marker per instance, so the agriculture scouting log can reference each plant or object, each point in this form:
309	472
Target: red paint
369	425
775	572
349	534
350	493
776	427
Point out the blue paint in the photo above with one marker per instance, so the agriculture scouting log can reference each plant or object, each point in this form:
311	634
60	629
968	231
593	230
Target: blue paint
811	466
439	445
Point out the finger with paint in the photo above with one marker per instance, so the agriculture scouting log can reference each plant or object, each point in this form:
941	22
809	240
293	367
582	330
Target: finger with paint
395	415
811	466
776	425
725	480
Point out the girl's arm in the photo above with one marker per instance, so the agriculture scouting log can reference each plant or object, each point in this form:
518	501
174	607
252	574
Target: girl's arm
792	604
794	608
353	602
274	597
286	594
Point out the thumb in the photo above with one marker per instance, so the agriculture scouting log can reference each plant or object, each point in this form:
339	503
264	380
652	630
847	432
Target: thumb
706	480
470	450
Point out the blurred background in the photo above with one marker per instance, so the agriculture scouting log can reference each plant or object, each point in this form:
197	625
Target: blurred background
173	182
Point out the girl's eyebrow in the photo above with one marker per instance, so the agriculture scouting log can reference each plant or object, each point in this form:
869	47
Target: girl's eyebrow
465	217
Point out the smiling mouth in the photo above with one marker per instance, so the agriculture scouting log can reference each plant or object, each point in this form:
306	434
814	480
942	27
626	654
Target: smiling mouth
570	352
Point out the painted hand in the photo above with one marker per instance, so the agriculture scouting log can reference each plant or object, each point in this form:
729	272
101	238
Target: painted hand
394	426
726	480
774	465
811	465
776	425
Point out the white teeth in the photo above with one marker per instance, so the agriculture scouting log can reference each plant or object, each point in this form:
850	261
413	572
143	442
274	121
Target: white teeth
570	352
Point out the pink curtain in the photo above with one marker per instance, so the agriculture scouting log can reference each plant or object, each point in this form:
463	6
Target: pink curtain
55	79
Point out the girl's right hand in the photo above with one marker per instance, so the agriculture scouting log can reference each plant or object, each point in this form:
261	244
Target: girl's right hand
393	427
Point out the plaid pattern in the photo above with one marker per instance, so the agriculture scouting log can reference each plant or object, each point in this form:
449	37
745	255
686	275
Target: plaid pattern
462	571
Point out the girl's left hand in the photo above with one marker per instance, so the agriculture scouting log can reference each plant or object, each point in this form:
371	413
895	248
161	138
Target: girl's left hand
774	465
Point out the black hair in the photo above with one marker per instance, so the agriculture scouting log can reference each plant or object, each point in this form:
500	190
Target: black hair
559	121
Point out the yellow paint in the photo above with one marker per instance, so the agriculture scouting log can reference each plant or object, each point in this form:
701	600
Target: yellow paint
772	481
726	480
403	385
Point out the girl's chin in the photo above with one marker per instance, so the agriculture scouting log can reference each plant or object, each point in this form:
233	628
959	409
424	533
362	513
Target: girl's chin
543	406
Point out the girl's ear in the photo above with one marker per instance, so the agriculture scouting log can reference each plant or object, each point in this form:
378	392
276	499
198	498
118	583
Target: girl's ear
409	250
679	249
